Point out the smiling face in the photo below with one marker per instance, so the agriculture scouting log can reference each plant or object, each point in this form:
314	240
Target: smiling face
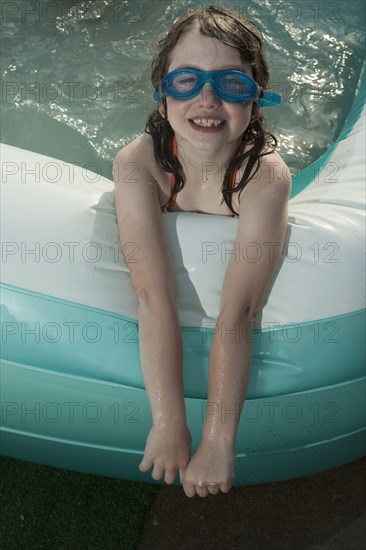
190	118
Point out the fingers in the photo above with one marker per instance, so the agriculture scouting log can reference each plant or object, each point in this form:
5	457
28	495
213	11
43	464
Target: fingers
189	489
159	471
170	476
213	488
145	464
203	489
225	487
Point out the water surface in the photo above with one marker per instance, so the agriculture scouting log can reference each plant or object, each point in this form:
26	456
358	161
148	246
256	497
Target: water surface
76	75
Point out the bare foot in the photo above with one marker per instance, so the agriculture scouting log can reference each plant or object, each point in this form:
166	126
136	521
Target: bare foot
168	448
210	470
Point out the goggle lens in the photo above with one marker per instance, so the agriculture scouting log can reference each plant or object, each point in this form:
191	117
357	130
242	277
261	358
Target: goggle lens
233	85
183	83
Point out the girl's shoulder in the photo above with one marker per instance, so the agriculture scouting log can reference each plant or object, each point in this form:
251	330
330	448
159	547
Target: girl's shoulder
274	167
139	156
270	163
270	175
139	149
271	155
140	152
273	176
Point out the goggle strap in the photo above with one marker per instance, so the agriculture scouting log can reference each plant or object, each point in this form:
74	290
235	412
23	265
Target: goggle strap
269	99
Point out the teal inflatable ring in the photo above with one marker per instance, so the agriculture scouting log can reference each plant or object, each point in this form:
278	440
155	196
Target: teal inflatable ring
72	393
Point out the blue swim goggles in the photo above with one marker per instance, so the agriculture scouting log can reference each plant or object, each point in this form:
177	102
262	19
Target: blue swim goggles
229	85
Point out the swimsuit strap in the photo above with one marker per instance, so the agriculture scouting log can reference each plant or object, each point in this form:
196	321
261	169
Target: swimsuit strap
174	195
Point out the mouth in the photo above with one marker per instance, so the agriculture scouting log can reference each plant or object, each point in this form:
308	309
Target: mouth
207	124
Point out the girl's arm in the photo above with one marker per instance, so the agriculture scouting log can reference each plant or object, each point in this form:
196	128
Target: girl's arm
263	222
154	281
256	250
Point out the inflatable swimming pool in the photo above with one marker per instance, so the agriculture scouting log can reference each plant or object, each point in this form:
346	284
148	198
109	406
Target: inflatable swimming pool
72	393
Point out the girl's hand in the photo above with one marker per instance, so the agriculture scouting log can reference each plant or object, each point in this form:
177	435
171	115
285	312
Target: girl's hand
168	448
210	470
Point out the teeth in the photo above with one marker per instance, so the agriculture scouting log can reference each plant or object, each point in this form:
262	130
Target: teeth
207	122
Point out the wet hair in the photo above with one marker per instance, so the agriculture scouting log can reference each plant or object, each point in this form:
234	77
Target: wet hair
238	32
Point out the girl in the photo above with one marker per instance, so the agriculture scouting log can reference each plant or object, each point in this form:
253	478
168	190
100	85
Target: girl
210	78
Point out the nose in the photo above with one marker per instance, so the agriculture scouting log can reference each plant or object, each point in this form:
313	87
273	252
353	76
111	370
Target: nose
208	96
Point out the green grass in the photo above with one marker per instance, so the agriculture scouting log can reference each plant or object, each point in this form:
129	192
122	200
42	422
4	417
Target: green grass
50	508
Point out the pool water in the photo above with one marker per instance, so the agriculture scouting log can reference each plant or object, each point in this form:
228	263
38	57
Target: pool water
76	74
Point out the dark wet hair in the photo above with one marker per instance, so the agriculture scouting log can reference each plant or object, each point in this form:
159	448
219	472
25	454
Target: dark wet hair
238	32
